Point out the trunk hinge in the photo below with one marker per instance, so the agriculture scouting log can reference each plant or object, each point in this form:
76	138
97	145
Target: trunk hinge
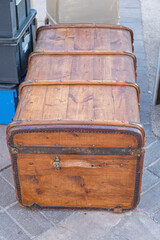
56	163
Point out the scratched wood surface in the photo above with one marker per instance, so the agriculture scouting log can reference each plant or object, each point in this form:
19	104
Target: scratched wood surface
80	102
82	67
79	38
69	139
110	185
100	181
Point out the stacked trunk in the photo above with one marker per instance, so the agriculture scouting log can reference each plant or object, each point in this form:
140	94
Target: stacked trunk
76	140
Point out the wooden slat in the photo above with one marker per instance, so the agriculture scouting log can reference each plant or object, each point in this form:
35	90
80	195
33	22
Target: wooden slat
111	101
84	37
83	67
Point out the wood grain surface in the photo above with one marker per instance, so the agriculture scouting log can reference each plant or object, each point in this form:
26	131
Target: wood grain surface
84	37
95	187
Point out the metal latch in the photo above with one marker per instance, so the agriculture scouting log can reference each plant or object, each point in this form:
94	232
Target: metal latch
56	163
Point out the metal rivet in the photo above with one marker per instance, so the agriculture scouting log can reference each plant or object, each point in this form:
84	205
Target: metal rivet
93	145
121	165
92	165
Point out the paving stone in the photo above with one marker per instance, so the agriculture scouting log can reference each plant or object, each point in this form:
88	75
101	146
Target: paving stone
142	80
150	202
8	195
141	55
155	168
143	85
33	221
156	217
142	77
134	26
149	141
135	226
8	175
141	62
148	130
145	98
1	209
152	153
129	4
138	35
142	70
131	19
56	216
145	118
83	225
131	13
137	31
145	107
139	49
139	43
144	88
4	154
148	180
10	230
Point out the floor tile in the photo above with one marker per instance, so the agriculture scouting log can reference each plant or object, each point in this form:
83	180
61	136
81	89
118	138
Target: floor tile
9	230
33	221
8	195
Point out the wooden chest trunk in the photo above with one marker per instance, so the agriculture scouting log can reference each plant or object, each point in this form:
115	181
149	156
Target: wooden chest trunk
76	139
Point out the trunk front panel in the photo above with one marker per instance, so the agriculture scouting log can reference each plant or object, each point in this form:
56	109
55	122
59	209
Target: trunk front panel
77	166
102	181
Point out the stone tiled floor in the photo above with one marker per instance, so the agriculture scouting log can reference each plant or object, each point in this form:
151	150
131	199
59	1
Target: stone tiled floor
143	223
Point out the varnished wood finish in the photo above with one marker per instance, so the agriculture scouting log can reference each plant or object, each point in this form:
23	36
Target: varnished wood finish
76	187
118	174
70	102
76	140
89	37
114	58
